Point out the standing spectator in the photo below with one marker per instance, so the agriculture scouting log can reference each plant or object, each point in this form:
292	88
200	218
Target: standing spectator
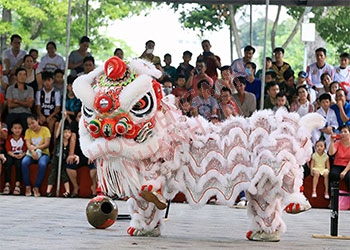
279	66
20	99
341	108
72	166
302	104
31	79
331	120
225	81
51	61
13	58
37	140
341	151
238	65
73	104
66	149
185	67
319	165
342	72
204	104
315	70
148	53
212	61
169	70
118	52
246	101
76	57
15	151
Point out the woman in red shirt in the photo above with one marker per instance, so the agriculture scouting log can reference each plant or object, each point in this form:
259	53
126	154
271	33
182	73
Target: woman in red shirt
341	151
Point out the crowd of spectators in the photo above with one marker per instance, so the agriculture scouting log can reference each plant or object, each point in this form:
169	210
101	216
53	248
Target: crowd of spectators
31	98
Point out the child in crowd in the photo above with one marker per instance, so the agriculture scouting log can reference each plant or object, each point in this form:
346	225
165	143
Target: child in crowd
48	102
16	149
331	120
227	105
320	166
332	89
58	80
281	102
37	139
185	106
68	146
180	90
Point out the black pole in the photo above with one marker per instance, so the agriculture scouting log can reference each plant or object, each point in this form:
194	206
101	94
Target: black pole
334	207
167	209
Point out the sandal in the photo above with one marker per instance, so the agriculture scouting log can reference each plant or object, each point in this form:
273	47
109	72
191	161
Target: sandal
74	196
66	194
6	189
17	190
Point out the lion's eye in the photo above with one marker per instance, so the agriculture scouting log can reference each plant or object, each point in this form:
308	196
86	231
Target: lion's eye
144	106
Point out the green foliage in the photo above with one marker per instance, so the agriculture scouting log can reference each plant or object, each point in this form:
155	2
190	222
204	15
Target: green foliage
40	21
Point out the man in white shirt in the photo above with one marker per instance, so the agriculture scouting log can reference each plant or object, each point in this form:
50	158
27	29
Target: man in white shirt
342	72
13	58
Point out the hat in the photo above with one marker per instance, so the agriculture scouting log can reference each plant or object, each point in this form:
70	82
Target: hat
303	74
226	67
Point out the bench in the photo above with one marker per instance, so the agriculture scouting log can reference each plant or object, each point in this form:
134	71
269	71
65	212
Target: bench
83	180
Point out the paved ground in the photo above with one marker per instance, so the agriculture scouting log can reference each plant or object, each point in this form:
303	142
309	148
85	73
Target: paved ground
57	223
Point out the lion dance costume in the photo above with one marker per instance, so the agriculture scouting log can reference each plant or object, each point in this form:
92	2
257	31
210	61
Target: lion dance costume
145	149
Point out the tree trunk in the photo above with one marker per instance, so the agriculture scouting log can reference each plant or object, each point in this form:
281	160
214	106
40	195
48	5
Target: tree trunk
6	17
274	28
236	37
295	30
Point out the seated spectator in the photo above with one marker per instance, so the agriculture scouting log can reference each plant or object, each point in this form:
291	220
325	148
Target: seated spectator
302	104
224	81
228	107
331	120
76	57
268	65
288	86
319	166
341	151
169	71
185	106
281	102
238	65
272	89
16	149
167	86
253	85
72	166
342	72
67	146
88	65
35	54
73	104
20	99
246	101
31	79
185	67
48	102
204	104
341	108
198	74
118	52
3	137
180	90
303	80
333	89
58	80
37	139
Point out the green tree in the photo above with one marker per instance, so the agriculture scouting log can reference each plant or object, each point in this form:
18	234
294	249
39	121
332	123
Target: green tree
39	21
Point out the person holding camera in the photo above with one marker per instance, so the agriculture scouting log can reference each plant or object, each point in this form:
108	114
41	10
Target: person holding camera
212	61
196	75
